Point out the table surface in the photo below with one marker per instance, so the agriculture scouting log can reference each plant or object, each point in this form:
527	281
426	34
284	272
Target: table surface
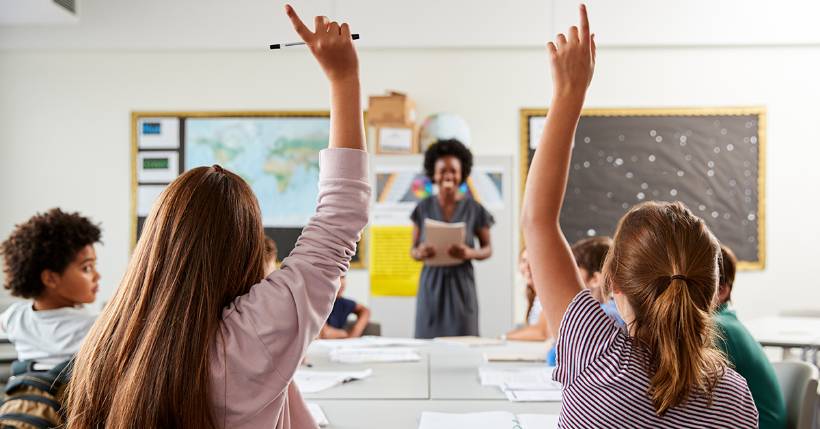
780	331
445	380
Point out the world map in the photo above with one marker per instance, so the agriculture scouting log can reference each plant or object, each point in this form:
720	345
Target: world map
277	157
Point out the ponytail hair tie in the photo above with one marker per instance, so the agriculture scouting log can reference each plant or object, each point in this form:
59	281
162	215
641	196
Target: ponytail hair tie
679	277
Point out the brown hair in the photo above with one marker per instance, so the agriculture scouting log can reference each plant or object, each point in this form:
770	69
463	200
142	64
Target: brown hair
590	253
655	241
146	359
271	251
728	267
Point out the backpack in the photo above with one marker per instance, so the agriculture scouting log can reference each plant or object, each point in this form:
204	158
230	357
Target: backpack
33	399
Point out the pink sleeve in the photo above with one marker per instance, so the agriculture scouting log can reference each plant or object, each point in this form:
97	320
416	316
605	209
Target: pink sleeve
284	313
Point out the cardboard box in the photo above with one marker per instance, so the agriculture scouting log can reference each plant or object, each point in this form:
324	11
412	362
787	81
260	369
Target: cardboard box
394	108
395	138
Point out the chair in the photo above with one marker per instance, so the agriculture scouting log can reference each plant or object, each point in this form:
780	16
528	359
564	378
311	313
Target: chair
798	382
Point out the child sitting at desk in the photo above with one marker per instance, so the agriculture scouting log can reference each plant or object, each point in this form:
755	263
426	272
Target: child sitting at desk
589	254
271	253
536	323
50	259
336	326
746	354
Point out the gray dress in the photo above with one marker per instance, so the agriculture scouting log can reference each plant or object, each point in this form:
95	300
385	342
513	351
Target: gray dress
447	303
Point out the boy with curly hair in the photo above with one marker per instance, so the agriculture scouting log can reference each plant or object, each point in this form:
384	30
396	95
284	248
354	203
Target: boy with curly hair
50	259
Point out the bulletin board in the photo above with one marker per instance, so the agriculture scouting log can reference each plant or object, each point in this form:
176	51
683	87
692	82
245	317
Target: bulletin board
276	153
711	159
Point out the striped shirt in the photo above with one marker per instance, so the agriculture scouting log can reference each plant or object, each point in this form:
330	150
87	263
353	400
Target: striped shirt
603	372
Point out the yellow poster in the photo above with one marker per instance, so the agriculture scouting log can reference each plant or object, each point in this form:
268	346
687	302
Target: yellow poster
392	271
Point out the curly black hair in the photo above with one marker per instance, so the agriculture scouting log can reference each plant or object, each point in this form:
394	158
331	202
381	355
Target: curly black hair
449	147
49	241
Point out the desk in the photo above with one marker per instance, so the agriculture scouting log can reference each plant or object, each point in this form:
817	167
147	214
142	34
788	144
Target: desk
445	380
788	332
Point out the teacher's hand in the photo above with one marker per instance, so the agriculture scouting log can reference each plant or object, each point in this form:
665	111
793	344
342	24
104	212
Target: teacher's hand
461	251
424	251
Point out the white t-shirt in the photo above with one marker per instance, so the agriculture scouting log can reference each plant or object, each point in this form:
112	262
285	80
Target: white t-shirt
535	312
47	336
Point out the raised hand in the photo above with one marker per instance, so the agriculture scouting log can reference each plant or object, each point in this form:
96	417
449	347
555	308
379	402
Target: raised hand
330	43
573	59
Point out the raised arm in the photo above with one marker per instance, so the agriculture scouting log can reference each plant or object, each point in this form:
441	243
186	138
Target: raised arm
555	273
332	46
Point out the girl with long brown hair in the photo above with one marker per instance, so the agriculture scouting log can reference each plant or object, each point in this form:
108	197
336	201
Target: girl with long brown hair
196	336
663	370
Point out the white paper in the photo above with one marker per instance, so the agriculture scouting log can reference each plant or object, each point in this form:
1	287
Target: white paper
146	196
395	139
491	376
515	356
310	381
533	395
157	166
158	133
369	341
538	421
317	414
442	236
485	420
373	354
470	341
536	128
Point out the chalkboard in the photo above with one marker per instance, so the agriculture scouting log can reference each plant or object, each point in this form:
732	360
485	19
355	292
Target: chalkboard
710	159
277	153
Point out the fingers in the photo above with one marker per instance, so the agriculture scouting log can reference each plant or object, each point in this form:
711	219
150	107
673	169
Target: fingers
592	47
298	25
573	34
320	24
552	49
345	31
585	35
334	28
561	39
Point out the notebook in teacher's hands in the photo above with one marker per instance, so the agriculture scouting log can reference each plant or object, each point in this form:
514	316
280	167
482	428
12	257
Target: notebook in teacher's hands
487	420
442	236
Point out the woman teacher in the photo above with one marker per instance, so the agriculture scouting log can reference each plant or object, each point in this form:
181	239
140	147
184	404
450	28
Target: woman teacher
447	302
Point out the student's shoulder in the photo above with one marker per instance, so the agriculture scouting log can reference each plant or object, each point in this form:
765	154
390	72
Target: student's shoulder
12	313
732	384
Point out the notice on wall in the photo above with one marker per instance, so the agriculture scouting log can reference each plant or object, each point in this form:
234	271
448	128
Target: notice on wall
392	271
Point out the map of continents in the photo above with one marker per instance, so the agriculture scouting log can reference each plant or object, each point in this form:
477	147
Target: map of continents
278	157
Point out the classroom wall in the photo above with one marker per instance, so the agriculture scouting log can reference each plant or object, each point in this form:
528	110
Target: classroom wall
65	124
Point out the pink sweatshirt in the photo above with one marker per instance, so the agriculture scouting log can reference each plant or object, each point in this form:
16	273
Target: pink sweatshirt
266	332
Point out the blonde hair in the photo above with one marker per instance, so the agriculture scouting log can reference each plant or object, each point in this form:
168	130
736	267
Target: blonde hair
653	243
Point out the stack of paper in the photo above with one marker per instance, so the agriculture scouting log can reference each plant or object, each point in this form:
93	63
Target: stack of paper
470	341
487	420
523	384
442	236
310	381
373	354
318	415
515	356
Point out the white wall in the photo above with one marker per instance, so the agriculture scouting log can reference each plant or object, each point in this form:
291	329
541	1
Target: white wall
64	123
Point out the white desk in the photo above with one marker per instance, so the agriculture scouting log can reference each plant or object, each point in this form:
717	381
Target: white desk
446	380
788	332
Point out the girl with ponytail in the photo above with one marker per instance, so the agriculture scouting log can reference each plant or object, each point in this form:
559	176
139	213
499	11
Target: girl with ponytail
663	370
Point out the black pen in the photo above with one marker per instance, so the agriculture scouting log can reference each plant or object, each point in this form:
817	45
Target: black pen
285	45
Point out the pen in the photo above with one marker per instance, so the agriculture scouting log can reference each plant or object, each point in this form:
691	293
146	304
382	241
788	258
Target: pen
284	45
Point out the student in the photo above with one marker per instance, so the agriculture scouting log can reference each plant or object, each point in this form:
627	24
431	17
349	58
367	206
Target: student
664	371
195	337
50	259
447	301
746	354
536	328
336	326
589	254
271	253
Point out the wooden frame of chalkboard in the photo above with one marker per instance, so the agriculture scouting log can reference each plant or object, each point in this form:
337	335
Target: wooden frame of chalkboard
279	234
674	142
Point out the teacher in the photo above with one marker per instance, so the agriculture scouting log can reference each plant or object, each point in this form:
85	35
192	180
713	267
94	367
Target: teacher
447	302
